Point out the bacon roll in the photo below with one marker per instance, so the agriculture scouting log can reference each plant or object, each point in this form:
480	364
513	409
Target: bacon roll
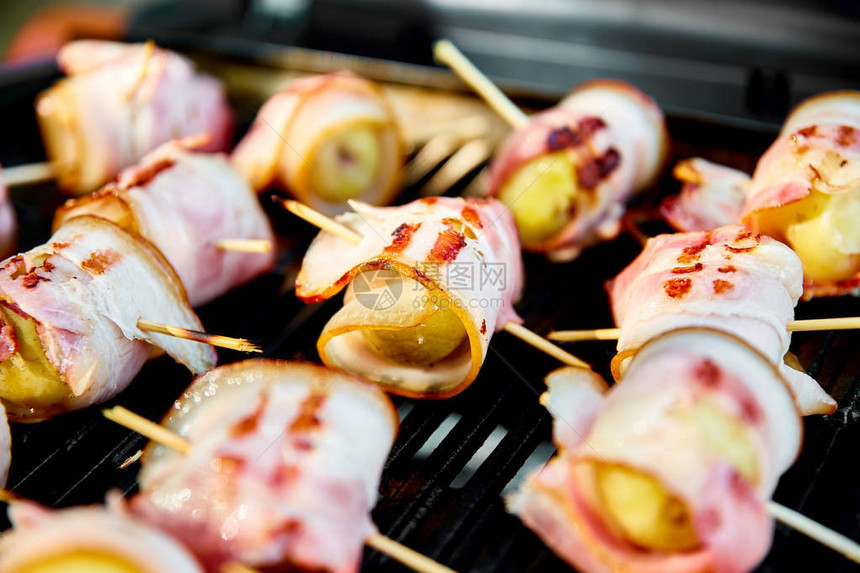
184	201
68	318
92	539
806	192
121	101
730	279
325	139
671	472
283	470
428	285
567	175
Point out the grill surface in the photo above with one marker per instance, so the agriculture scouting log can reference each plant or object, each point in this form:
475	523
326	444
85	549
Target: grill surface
427	499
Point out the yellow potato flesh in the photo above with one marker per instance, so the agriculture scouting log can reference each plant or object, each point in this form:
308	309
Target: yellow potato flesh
541	194
819	228
27	378
79	562
436	333
644	510
346	162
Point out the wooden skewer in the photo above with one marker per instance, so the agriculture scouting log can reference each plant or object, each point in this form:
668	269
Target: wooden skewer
814	530
240	344
330	225
165	437
845	323
244	245
447	53
7	496
28	174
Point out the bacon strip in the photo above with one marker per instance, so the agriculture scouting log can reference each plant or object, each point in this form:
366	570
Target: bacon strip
85	289
730	279
644	424
121	101
465	252
818	150
41	535
284	467
184	202
616	137
291	123
711	196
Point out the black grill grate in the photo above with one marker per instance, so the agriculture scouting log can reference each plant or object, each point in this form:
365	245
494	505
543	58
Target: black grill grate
76	458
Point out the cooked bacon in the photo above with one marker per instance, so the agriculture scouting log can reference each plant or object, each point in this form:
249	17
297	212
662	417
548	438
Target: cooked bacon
733	280
615	136
121	101
184	202
642	425
711	196
291	123
41	535
85	289
442	241
8	222
283	471
817	149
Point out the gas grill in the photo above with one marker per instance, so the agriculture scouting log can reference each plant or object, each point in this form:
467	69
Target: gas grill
443	485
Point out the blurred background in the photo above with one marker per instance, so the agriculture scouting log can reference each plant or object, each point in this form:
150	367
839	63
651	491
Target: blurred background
729	60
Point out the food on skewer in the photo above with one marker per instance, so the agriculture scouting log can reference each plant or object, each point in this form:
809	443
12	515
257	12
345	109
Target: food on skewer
805	192
428	284
118	103
69	312
567	175
673	469
730	279
325	139
282	468
711	196
92	539
8	222
184	202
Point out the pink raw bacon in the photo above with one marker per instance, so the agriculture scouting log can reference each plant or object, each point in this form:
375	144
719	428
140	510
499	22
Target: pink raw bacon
729	279
184	202
615	137
283	469
711	196
121	101
641	425
426	241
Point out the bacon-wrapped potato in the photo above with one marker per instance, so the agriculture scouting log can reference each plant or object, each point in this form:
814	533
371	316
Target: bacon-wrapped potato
184	202
567	175
711	196
672	471
118	103
730	279
87	539
428	285
283	469
325	139
68	319
806	191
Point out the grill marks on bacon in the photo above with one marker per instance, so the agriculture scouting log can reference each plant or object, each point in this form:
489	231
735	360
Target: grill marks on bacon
100	261
401	237
448	243
593	170
471	216
677	288
249	424
308	418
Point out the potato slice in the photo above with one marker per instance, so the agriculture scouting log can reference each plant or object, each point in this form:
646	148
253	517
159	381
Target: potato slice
27	379
346	162
79	561
644	510
541	194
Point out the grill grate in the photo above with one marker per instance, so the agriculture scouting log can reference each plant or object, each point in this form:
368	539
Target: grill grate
76	458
